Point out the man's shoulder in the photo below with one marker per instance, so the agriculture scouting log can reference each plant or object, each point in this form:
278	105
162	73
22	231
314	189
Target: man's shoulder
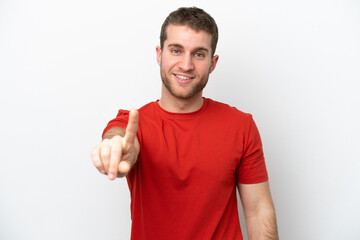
147	106
226	109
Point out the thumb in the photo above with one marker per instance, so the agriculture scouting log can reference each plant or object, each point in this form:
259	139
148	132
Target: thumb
124	168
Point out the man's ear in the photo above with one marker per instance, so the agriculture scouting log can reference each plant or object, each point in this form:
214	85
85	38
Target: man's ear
158	54
214	60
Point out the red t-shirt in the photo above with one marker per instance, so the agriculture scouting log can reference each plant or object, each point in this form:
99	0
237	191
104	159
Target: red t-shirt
184	183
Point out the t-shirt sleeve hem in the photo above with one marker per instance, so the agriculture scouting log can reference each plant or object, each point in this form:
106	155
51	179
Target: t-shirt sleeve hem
253	180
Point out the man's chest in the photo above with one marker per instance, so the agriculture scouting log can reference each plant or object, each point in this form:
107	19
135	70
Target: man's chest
187	153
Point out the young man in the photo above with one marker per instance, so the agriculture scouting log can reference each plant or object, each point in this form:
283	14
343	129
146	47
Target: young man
184	155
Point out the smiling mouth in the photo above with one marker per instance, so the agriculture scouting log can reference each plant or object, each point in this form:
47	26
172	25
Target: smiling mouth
183	78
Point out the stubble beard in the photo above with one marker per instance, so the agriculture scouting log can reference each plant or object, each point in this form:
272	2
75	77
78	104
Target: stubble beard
194	89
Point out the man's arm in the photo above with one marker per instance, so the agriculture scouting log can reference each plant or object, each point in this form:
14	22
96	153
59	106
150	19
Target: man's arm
259	211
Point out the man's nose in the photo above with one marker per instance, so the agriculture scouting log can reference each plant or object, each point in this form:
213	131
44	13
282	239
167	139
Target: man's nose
187	63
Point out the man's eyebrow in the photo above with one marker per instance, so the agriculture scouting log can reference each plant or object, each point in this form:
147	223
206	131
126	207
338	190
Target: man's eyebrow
201	49
175	45
195	50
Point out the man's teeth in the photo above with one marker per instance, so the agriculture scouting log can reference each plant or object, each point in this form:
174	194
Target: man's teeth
182	77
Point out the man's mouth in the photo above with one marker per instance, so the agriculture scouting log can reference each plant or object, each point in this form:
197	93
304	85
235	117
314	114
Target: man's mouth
183	78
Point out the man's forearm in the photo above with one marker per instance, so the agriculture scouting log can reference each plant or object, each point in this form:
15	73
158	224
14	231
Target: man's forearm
113	132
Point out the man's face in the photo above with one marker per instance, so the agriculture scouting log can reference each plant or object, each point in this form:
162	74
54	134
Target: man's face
185	61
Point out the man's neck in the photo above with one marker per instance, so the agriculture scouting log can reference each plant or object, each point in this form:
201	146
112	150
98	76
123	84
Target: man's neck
180	105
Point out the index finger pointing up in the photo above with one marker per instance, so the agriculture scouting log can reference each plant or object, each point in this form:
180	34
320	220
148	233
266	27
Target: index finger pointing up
132	126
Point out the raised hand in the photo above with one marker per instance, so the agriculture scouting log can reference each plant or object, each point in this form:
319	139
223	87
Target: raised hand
116	156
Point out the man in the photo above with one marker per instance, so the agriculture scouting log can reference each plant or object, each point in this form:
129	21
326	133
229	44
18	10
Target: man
184	155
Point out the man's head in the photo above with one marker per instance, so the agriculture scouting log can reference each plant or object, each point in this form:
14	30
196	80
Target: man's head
186	55
195	18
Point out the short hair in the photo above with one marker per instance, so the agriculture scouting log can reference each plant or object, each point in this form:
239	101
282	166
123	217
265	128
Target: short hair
195	18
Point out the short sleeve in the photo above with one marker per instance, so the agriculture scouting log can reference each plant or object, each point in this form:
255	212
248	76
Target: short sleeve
252	168
120	121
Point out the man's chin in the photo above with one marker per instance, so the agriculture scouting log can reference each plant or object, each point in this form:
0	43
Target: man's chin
182	91
186	95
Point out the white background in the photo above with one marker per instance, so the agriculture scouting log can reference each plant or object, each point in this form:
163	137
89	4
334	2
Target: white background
67	66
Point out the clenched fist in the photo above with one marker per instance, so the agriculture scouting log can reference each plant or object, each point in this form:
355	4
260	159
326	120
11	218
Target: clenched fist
119	150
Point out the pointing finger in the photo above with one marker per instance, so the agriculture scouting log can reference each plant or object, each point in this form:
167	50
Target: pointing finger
132	127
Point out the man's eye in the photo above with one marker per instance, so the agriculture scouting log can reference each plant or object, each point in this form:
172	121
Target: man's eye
199	55
176	51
